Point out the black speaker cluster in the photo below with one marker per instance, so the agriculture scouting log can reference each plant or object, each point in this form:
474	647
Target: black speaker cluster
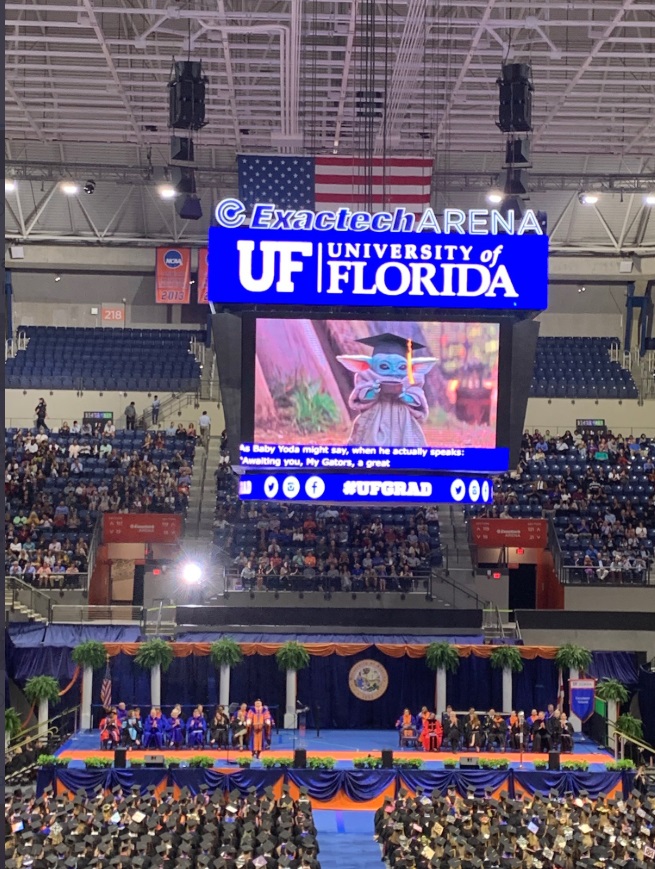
186	112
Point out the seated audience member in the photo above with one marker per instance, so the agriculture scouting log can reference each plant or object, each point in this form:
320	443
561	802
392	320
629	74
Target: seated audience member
406	725
219	728
519	731
121	712
154	729
566	733
473	730
540	736
132	730
239	726
110	730
452	732
554	727
175	728
196	728
496	730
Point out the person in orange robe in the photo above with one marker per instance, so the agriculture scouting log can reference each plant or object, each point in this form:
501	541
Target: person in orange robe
432	734
259	722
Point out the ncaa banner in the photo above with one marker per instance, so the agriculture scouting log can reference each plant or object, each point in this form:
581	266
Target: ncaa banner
173	276
582	696
202	276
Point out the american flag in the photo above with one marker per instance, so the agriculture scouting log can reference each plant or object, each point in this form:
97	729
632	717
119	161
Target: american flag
105	689
326	183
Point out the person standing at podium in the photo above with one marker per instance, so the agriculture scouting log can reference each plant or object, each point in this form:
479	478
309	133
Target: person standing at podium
259	723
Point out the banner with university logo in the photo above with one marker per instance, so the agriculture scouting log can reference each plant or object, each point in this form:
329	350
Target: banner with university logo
582	695
173	276
202	276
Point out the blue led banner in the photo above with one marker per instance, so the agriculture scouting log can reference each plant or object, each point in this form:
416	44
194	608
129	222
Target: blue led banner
335	488
361	260
307	457
582	696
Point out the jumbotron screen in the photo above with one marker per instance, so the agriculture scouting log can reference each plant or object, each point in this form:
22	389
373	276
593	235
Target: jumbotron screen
375	394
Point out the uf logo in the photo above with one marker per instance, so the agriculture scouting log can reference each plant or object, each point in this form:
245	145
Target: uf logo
173	259
284	251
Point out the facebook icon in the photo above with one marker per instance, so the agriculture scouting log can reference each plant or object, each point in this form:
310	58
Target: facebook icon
314	487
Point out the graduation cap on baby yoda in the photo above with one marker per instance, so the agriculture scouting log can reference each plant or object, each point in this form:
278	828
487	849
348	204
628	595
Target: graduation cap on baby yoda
392	358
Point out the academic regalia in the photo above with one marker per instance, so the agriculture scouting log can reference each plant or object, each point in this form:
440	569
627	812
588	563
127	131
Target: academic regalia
567	736
175	731
132	732
153	732
431	735
258	723
110	733
196	729
406	726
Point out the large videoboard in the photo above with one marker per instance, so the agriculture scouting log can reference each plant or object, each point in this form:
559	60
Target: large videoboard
373	394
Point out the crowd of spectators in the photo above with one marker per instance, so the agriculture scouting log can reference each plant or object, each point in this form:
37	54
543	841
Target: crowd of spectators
58	484
150	829
280	546
453	830
600	491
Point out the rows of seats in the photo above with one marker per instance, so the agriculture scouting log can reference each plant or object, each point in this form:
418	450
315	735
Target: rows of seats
580	368
105	359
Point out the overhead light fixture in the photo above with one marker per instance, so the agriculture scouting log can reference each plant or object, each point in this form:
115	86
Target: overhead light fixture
650	198
90	186
57	278
495	197
588	198
10	185
70	188
167	191
191	572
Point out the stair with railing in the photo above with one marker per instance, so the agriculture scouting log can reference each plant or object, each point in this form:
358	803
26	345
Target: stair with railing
25	602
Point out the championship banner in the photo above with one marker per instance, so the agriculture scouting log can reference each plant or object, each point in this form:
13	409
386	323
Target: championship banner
582	696
202	275
141	528
173	276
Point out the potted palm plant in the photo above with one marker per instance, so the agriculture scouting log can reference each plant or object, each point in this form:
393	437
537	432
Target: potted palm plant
613	693
442	658
12	725
90	656
628	725
509	660
155	655
42	690
576	660
225	654
291	657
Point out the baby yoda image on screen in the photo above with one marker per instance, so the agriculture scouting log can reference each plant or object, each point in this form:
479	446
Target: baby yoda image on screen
388	394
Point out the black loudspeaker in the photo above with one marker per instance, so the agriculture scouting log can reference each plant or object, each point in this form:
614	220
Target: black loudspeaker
186	97
120	758
387	758
553	760
515	106
468	763
153	760
300	758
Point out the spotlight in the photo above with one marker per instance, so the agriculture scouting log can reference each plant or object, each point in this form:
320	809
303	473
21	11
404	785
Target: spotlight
649	200
70	188
495	197
582	289
588	198
191	572
10	185
57	278
90	186
167	191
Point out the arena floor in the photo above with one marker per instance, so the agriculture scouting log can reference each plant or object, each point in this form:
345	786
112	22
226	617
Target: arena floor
344	746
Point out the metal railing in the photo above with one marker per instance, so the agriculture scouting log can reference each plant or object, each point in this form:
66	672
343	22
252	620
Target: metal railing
174	404
440	578
156	617
68	721
419	582
590	574
84	614
20	594
623	740
94	543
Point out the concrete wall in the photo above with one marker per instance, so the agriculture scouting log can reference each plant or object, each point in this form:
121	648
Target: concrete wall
64	404
620	599
599	311
601	641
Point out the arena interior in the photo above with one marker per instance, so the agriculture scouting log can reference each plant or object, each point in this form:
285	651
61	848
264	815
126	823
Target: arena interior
329	434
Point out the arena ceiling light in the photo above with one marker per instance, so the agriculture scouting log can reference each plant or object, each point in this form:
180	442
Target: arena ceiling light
588	197
10	185
167	191
495	196
70	188
191	572
649	199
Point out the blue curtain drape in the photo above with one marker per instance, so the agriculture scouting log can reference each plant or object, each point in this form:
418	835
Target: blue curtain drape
647	702
615	665
475	683
441	780
535	686
593	782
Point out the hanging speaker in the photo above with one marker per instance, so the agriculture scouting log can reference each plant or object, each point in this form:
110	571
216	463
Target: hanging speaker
387	758
120	758
300	758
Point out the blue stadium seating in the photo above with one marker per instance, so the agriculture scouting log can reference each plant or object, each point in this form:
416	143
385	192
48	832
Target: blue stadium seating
105	359
579	368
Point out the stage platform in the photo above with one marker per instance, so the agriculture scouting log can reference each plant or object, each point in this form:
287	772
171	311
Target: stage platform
344	746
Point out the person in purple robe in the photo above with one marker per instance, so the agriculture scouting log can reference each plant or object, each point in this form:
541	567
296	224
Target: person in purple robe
175	728
154	729
388	392
196	729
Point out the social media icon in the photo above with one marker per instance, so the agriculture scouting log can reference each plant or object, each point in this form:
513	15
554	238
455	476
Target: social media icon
314	487
457	489
291	487
271	487
474	490
486	491
245	487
